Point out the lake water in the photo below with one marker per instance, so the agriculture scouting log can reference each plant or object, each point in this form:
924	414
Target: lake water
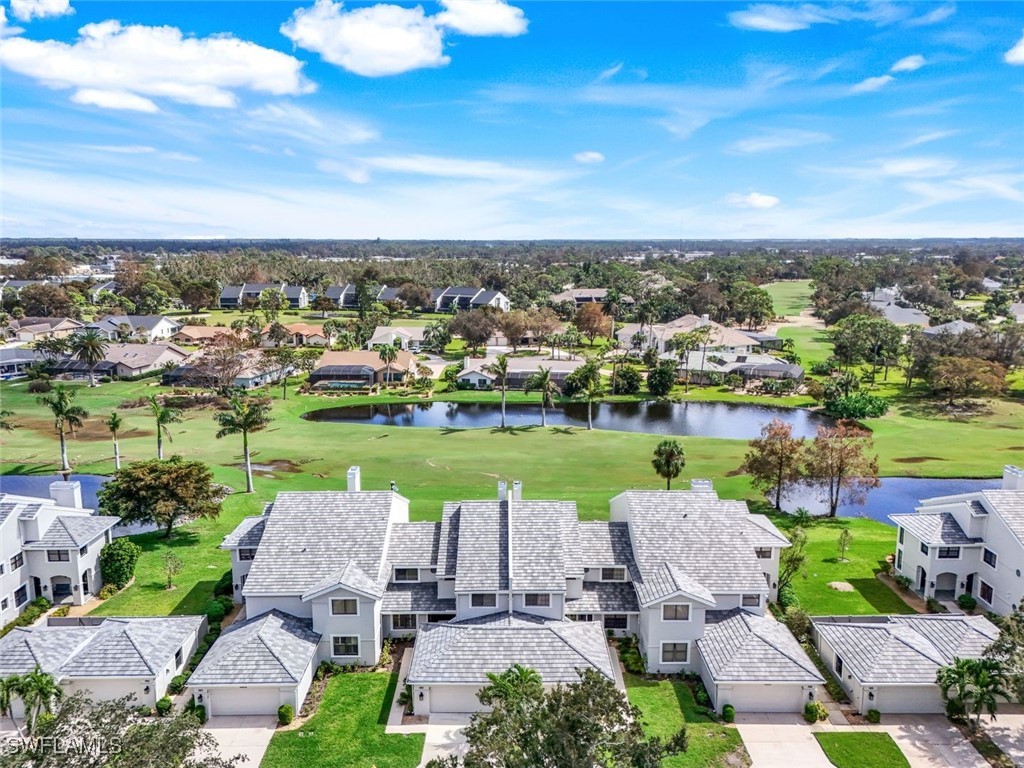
738	421
894	495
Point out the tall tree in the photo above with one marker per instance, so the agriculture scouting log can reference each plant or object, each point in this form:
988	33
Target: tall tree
388	354
324	304
246	415
669	460
114	423
979	685
542	382
39	692
965	377
837	462
89	347
283	359
791	559
164	417
591	391
66	415
514	326
8	695
592	321
775	459
1008	648
475	327
499	369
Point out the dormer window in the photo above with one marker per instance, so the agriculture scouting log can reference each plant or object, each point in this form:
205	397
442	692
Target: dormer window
407	574
246	554
764	553
675	612
344	607
613	574
484	600
538	599
57	555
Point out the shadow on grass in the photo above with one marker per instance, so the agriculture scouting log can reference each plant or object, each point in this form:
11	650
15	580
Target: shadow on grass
563	430
389	697
194	599
31	469
451	430
879	596
513	430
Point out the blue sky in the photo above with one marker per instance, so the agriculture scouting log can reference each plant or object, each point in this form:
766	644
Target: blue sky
480	119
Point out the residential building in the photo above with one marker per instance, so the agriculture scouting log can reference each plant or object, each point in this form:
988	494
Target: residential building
511	580
9	289
147	328
581	296
298	296
124	361
49	548
476	374
360	369
988	285
660	336
347	296
766	342
106	657
460	298
404	337
952	328
30	329
234	296
887	302
15	361
200	334
970	543
252	370
749	366
1016	312
299	335
107	285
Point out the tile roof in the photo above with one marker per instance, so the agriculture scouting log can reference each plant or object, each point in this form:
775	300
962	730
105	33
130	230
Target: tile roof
604	597
604	544
73	531
465	651
414	544
742	647
1009	505
415	598
482	545
247	534
904	649
935	528
272	648
541	534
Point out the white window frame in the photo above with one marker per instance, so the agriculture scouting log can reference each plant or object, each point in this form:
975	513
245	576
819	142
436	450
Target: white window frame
899	536
899	559
406	581
14	595
995	557
617	568
981	588
359	645
543	600
415	622
250	551
758	551
689	613
54	556
661	654
925	550
344	599
745	604
940	556
474	595
17	561
4	603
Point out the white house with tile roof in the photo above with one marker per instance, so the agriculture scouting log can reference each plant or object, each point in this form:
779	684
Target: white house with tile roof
971	543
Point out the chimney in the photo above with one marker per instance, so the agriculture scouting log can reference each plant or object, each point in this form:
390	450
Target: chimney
354	481
67	494
705	319
702	486
1013	478
517	490
502	490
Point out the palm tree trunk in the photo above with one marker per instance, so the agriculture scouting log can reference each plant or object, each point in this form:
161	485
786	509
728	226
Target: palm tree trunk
92	375
668	483
590	414
503	407
543	415
284	387
248	463
117	455
159	441
65	468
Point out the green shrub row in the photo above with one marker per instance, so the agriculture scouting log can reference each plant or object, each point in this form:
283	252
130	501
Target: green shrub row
35	609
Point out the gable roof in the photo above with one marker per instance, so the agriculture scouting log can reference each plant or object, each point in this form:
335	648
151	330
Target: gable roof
114	322
743	647
73	531
1009	505
414	544
954	327
934	528
246	535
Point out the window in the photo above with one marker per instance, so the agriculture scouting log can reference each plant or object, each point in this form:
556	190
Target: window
344	607
675	612
17	561
751	601
900	537
989	557
535	599
344	646
246	554
84	550
407	574
3	604
924	548
839	666
579	616
613	574
899	560
177	658
675	653
484	600
765	553
440	618
949	553
615	621
21	595
1	569
403	621
58	555
985	592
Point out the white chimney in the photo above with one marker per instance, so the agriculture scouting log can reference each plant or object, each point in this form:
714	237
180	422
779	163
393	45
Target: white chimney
502	490
702	486
67	494
705	319
1013	478
354	481
517	490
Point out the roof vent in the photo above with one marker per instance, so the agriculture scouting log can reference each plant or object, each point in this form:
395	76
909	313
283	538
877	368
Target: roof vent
1013	478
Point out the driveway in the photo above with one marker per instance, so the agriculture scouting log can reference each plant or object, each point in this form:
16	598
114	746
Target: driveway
444	737
1008	733
929	741
780	741
247	735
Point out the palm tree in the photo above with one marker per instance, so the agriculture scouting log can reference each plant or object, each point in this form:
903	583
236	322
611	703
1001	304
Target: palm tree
669	460
163	416
388	354
512	686
542	382
245	416
591	392
499	369
114	424
90	348
61	402
5	420
9	690
39	691
989	683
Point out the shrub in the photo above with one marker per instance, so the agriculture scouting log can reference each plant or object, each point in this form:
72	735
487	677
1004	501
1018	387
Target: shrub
285	714
788	598
967	603
874	716
117	561
824	367
385	655
226	603
729	713
62	611
661	380
33	611
797	621
327	669
214	610
859	405
814	711
733	381
700	694
224	585
886	567
39	387
164	706
934	606
903	582
177	685
405	699
214	629
200	711
627	380
105	379
955	709
631	657
108	591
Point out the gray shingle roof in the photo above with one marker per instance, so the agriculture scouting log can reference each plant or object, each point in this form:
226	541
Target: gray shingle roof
1009	505
415	598
272	648
605	544
73	531
414	544
247	534
465	651
540	537
604	597
934	528
312	536
742	647
904	649
482	546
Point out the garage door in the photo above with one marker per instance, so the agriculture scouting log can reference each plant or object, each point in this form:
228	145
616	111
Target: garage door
763	698
913	699
110	689
454	698
245	701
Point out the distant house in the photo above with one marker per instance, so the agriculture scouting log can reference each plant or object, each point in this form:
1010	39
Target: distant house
885	300
1016	312
147	327
200	334
953	328
749	366
520	369
583	296
94	292
765	341
298	297
15	361
125	361
988	285
359	369
347	296
460	298
29	329
256	370
299	335
660	336
11	288
232	296
404	337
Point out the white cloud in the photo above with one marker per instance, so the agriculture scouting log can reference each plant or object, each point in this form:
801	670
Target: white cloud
354	173
926	138
941	13
373	41
6	29
753	200
117	67
121	149
482	18
26	10
786	138
458	168
872	84
292	121
610	72
1015	55
765	17
908	63
588	158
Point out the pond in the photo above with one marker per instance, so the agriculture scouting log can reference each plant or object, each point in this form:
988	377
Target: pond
895	494
737	421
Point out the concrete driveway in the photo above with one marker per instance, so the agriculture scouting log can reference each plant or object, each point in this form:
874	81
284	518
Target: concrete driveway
444	737
780	741
247	735
1008	733
929	741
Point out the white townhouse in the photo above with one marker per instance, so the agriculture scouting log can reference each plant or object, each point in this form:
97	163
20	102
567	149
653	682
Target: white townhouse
503	581
148	328
409	338
49	548
660	335
970	543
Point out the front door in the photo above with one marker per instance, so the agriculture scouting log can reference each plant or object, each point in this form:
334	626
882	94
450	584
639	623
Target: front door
37	586
922	579
969	589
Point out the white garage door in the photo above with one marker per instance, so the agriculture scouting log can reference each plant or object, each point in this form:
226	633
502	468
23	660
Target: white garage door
913	699
245	701
454	698
111	689
754	697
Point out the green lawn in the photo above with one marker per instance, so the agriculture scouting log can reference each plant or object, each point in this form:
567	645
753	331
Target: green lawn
790	297
348	729
811	344
667	705
861	750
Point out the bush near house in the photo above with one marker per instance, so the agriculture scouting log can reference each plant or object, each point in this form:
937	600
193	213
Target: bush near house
285	714
35	609
117	561
815	711
164	706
